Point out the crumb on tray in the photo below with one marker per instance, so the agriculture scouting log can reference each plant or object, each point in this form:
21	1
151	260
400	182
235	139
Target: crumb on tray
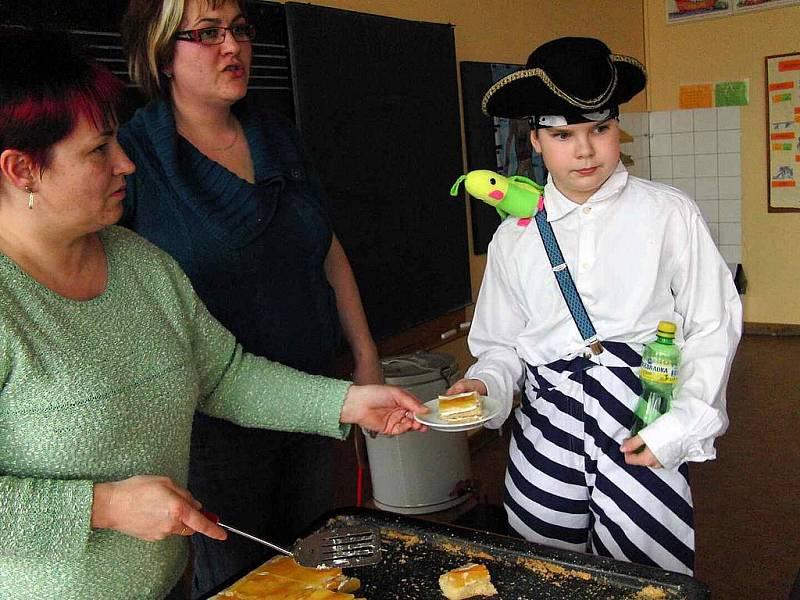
465	550
407	539
651	592
550	570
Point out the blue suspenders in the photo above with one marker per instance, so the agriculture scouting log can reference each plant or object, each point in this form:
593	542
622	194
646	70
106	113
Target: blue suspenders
565	283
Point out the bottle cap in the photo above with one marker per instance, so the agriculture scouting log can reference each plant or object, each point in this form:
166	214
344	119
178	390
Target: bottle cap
667	329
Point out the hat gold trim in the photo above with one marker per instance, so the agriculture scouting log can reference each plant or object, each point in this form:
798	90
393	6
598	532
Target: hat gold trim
587	104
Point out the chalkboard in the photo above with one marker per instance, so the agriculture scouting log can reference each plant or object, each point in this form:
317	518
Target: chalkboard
377	104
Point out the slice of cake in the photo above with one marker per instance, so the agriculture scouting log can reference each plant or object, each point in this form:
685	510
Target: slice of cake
281	578
465	582
460	407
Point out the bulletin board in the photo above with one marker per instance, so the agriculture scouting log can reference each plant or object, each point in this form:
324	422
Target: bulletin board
783	130
476	78
493	143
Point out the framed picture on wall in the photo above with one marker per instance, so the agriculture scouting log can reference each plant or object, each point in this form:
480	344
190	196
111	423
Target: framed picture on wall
741	6
783	131
689	10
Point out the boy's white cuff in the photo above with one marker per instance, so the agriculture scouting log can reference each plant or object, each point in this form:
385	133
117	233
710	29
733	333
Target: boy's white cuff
663	439
668	440
493	390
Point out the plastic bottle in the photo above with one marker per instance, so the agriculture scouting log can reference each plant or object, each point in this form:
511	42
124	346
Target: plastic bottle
659	375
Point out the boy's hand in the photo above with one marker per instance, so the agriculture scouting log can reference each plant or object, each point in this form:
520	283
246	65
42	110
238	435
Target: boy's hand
467	385
637	453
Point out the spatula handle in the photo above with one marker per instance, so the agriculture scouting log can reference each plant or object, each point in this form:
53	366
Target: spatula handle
215	519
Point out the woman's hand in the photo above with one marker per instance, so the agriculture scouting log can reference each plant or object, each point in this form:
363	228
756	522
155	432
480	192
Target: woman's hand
468	385
150	508
645	458
383	409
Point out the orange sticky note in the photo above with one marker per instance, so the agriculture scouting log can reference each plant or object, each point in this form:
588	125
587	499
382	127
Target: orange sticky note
696	96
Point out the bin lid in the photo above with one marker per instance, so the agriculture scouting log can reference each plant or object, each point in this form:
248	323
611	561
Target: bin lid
420	367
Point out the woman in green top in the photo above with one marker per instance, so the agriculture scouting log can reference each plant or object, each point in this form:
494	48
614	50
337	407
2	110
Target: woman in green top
106	352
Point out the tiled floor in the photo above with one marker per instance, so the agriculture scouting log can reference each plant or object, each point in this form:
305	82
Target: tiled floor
747	502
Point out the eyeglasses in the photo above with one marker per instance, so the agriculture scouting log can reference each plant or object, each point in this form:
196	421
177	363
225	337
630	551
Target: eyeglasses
212	36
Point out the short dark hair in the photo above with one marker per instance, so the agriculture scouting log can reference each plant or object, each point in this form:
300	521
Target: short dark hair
46	85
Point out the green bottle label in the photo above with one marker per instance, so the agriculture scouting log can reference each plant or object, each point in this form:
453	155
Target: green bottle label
659	371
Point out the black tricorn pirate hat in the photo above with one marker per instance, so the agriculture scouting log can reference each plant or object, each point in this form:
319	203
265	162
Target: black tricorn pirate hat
567	75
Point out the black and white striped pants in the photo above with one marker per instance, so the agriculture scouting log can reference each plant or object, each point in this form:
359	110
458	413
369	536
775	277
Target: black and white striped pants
567	484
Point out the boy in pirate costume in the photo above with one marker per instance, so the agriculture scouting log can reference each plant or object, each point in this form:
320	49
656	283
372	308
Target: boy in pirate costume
629	253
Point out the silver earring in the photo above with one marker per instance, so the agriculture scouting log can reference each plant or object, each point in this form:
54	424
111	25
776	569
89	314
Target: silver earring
30	196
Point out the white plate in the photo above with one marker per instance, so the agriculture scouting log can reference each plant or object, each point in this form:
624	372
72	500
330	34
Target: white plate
491	408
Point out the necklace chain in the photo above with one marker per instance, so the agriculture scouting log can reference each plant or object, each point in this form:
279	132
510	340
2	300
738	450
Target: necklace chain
223	148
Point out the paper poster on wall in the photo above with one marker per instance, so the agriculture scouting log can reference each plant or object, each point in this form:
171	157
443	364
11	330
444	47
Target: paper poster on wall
709	95
740	6
732	93
700	95
687	10
783	120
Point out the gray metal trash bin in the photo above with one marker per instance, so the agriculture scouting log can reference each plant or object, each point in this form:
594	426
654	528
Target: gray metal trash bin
418	473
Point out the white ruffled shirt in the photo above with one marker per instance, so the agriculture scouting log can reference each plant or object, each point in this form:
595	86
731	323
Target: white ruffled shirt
639	253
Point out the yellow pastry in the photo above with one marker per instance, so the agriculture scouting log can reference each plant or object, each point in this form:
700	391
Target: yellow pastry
465	582
460	407
281	578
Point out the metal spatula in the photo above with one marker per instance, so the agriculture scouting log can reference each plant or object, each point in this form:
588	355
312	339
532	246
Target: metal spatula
341	547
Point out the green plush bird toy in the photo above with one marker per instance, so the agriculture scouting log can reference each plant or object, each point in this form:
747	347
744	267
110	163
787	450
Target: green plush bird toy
516	196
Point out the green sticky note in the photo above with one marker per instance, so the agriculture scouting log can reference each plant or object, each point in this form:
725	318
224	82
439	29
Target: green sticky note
731	93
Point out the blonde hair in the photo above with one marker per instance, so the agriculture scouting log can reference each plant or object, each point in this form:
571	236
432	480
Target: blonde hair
148	28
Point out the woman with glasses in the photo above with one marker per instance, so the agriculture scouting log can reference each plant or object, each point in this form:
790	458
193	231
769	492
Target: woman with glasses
227	189
106	353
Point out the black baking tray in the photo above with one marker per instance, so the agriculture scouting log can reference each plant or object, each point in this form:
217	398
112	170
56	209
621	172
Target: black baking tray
415	552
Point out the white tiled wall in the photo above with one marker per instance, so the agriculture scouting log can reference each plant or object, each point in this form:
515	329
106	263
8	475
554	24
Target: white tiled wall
698	152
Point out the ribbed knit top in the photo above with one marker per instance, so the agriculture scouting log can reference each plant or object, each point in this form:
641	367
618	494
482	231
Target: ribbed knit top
255	253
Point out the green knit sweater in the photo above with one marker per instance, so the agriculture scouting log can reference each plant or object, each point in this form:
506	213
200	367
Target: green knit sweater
104	389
